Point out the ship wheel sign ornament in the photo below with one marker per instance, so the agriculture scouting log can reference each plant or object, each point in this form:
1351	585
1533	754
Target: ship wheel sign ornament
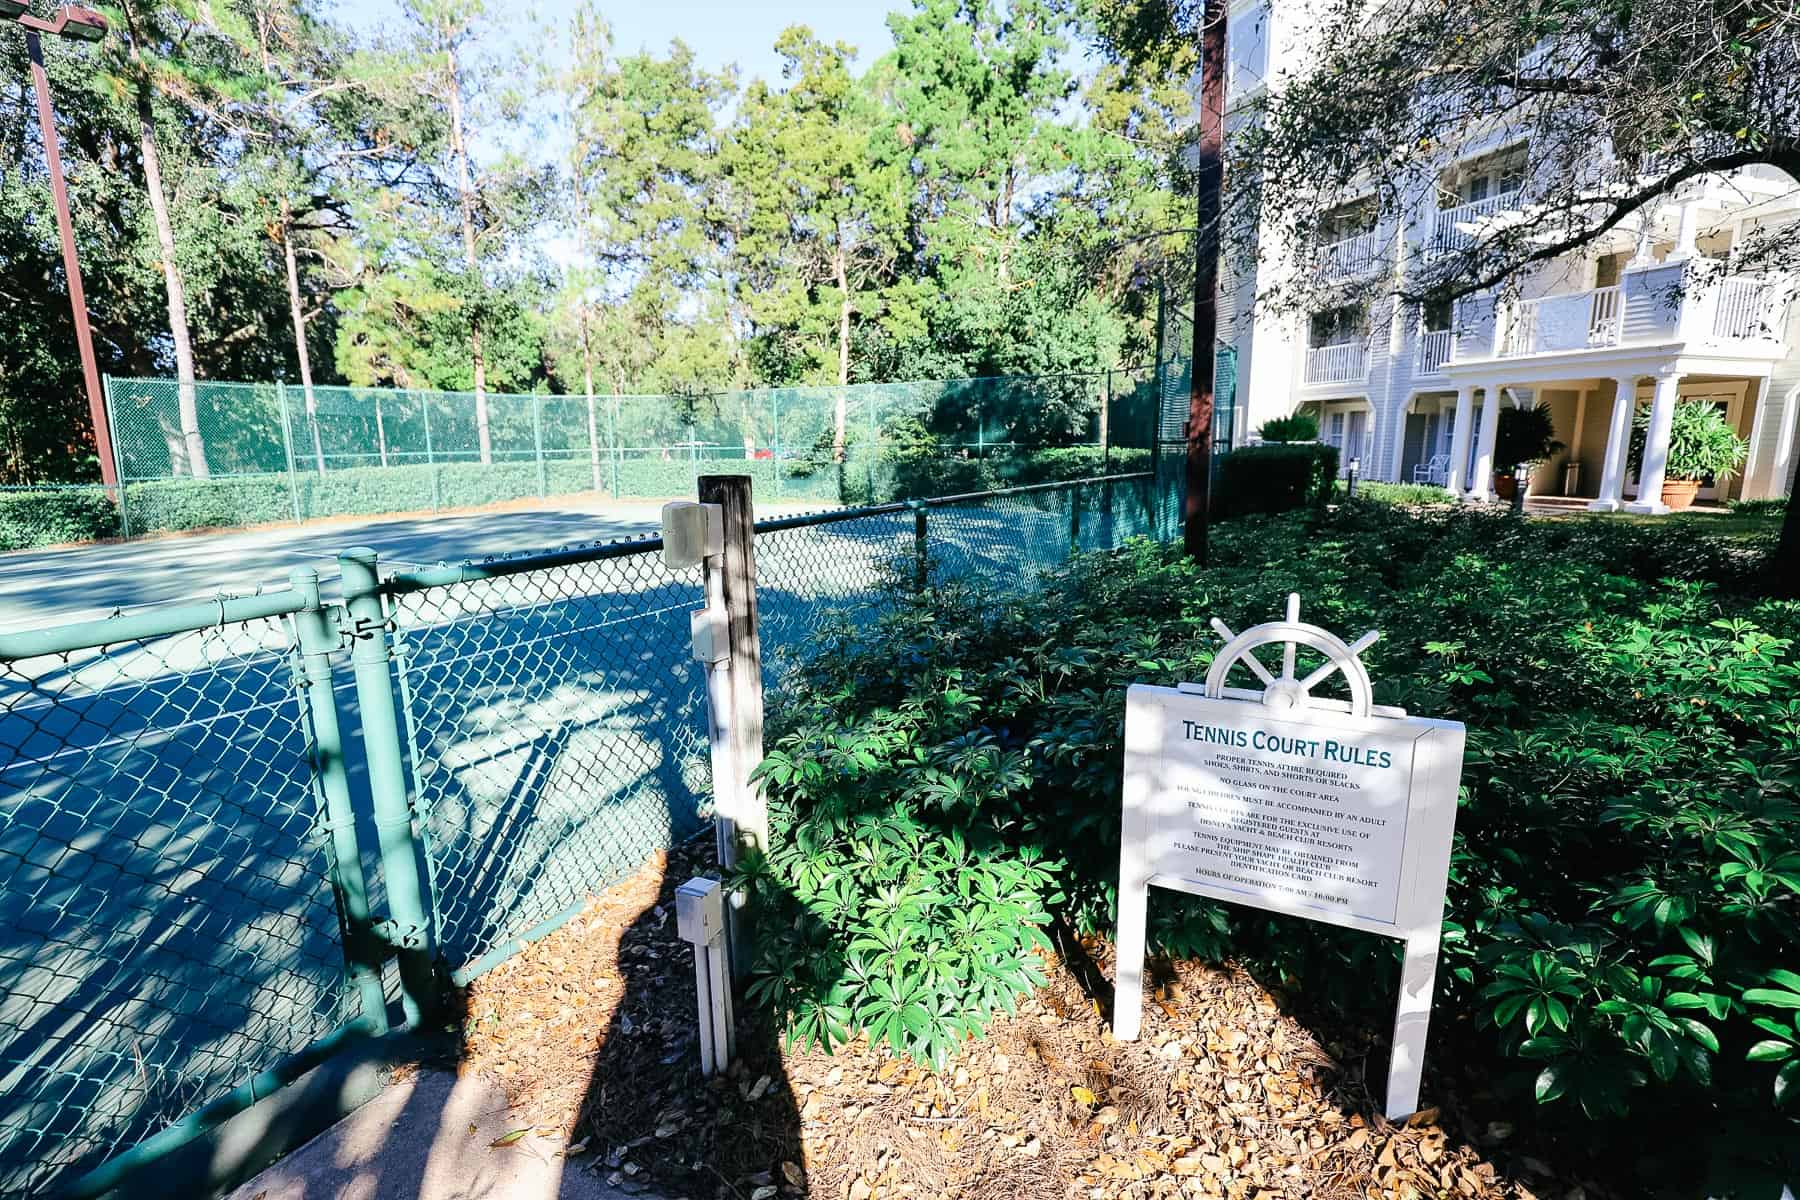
1335	810
1286	691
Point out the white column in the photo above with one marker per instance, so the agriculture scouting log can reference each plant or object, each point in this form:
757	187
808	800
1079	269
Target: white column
1457	480
1656	447
1618	440
1481	483
1688	234
1644	253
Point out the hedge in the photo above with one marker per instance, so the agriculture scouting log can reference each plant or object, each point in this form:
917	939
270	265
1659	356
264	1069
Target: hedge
1274	477
44	518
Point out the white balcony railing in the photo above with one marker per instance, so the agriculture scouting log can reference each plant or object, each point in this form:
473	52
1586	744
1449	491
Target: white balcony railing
1745	309
1350	256
1445	234
1574	321
1435	348
1344	363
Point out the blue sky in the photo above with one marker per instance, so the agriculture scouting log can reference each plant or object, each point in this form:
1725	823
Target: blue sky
720	31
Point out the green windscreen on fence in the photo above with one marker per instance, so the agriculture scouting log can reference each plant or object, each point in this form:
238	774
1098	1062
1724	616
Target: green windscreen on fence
247	454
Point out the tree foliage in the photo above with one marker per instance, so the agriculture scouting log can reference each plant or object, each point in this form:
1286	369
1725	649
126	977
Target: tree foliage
261	190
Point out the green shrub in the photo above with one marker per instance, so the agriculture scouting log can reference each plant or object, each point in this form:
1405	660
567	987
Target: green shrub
1624	904
1769	506
1403	493
1524	435
1274	478
1299	427
176	504
45	518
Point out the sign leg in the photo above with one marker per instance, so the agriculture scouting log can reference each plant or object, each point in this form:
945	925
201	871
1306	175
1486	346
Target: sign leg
1128	966
1412	1020
703	986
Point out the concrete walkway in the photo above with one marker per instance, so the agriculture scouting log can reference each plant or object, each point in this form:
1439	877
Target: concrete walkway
431	1137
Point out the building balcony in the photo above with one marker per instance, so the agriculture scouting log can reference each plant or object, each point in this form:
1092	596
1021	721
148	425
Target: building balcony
1435	348
1575	321
1352	256
1735	313
1347	362
1455	228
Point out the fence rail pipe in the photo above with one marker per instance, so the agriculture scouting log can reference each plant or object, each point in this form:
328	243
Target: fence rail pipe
164	621
318	638
411	931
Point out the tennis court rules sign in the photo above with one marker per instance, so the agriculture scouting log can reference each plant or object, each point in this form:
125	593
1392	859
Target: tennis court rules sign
1336	811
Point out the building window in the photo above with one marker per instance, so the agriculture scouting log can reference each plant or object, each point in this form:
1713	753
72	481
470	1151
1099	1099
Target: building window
1338	327
1247	37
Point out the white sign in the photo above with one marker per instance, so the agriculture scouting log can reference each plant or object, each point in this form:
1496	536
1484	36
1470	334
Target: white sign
1336	811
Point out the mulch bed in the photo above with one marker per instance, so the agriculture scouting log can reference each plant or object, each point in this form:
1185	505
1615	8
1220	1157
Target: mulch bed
592	1033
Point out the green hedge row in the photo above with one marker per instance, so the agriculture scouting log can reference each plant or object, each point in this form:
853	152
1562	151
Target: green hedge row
1274	477
45	518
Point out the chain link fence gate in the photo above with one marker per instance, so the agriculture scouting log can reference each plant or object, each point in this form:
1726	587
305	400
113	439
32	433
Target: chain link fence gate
167	872
205	896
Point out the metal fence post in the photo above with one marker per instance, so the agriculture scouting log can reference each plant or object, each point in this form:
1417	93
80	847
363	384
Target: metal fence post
921	554
1074	517
112	423
437	499
775	441
537	441
287	449
409	928
593	437
1106	400
1108	528
612	418
363	955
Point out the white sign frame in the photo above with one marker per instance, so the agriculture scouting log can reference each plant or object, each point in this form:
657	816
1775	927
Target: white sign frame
1432	784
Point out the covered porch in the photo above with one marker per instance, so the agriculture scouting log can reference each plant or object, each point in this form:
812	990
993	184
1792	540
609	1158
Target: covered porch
1349	424
1593	414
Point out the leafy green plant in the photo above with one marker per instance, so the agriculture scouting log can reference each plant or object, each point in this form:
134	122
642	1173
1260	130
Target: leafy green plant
1624	886
1702	443
1297	427
1783	1046
1524	435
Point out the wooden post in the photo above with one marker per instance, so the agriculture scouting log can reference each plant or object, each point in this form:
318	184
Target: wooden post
736	583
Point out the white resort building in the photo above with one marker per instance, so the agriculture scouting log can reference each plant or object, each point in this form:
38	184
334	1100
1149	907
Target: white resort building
1415	395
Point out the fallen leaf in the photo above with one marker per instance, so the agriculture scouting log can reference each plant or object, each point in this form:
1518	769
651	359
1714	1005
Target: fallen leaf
1084	1095
508	1139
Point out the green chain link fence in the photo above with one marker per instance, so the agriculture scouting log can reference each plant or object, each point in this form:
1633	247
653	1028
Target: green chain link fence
238	835
272	452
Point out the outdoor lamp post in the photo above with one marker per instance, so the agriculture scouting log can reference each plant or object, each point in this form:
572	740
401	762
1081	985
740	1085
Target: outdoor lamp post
1521	481
1350	474
79	25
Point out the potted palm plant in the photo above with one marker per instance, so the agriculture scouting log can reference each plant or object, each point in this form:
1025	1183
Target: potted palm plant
1703	448
1524	435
